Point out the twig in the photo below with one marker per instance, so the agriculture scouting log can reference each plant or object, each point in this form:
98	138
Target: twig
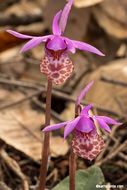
113	81
19	83
53	113
28	97
100	157
13	165
122	178
121	164
119	149
123	156
27	129
113	153
55	92
53	174
3	186
20	20
72	99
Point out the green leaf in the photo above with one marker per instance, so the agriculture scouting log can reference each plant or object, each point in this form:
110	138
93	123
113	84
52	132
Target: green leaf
85	180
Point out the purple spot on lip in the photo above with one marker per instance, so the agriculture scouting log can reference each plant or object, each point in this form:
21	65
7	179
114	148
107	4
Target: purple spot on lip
55	75
52	67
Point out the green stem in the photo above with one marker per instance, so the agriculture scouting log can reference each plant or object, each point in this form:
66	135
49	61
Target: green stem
45	150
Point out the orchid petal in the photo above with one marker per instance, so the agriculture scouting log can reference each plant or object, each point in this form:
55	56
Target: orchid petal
64	15
70	45
70	126
34	42
83	92
57	43
54	127
19	35
86	47
85	125
86	109
108	120
55	25
103	125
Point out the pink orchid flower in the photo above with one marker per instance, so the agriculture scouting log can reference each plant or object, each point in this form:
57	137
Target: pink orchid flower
86	142
56	63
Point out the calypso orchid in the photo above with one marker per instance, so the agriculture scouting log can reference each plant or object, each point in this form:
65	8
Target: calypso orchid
86	142
56	63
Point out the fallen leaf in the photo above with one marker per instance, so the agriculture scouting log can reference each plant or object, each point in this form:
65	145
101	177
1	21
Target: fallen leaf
20	125
107	94
86	3
59	146
114	24
3	186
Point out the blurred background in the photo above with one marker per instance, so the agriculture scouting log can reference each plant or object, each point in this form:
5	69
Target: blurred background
102	23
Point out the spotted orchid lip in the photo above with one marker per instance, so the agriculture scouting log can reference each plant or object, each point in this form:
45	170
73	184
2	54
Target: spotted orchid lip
87	145
57	66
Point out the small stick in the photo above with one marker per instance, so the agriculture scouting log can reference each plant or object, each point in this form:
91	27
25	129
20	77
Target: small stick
13	165
113	154
108	140
54	114
45	150
3	186
55	92
113	81
28	97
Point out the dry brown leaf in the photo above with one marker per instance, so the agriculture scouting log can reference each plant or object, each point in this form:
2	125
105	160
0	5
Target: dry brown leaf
11	63
116	6
8	55
59	146
69	112
20	14
20	125
6	97
42	3
3	186
107	95
121	52
86	3
114	24
23	8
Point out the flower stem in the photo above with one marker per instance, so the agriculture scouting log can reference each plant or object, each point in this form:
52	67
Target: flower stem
72	158
72	169
45	150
